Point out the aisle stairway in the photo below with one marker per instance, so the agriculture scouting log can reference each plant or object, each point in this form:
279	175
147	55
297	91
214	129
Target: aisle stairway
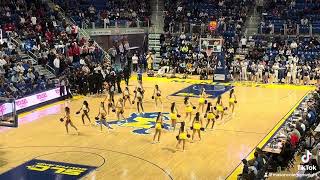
28	56
253	22
154	44
157	17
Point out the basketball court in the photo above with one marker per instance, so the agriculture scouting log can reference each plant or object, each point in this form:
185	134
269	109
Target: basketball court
42	149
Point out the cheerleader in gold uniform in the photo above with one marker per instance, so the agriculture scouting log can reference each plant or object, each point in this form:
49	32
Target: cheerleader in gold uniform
119	109
173	115
126	96
202	99
182	136
157	95
85	109
139	97
102	116
68	120
211	116
219	107
196	125
188	108
110	103
232	100
158	127
139	86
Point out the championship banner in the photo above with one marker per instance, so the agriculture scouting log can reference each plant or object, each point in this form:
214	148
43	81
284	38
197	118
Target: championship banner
213	25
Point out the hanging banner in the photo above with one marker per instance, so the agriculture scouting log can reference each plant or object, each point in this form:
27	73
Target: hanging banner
213	25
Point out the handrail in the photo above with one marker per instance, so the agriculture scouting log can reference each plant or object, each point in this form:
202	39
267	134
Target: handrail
15	41
31	54
50	68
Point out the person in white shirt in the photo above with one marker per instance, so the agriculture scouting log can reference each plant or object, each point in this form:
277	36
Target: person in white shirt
86	69
243	42
106	22
82	61
295	59
126	45
275	68
14	77
182	36
56	64
30	75
20	68
293	45
34	20
3	62
22	20
243	73
260	71
294	73
121	49
135	62
289	72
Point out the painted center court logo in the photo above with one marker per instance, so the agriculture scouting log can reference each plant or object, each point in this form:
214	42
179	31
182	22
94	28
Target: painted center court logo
194	90
141	123
37	169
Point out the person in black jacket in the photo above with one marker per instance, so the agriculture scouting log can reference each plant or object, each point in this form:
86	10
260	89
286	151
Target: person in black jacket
126	74
118	79
99	82
92	83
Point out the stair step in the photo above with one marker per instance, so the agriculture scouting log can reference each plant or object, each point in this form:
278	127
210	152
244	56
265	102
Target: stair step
153	41
154	36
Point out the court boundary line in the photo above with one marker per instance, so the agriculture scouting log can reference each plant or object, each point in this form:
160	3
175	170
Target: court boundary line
239	131
58	152
101	149
237	170
231	83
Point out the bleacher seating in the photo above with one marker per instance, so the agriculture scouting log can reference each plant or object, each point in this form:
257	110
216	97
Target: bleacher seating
123	13
230	16
301	15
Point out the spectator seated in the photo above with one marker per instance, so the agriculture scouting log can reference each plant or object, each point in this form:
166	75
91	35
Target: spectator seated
124	13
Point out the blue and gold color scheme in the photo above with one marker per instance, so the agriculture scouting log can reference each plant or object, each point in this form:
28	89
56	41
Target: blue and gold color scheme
142	123
37	169
194	90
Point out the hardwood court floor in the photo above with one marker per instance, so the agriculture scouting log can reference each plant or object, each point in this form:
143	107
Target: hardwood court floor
125	155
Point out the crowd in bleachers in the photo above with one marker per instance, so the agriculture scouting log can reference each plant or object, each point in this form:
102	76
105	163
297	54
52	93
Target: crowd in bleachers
230	15
277	14
45	33
124	13
279	60
18	77
268	60
182	55
298	134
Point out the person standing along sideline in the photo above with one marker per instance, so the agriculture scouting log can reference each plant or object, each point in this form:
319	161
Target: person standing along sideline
56	64
62	84
135	62
118	79
67	84
126	74
140	72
